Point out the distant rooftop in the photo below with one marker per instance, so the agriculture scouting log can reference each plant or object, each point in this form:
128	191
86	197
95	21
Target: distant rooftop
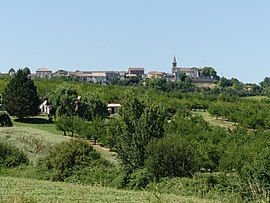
43	69
134	68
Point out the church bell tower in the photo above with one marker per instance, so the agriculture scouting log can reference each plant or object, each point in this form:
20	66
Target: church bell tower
174	65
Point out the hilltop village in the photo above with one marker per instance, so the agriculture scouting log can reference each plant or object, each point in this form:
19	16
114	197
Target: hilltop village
197	75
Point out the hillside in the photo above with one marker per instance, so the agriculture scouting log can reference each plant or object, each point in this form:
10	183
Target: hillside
37	139
34	142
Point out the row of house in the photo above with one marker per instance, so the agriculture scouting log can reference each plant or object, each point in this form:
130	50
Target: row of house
104	77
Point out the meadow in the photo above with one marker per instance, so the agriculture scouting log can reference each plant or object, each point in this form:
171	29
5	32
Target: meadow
30	190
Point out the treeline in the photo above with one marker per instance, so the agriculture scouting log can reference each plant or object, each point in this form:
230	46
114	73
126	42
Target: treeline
156	138
248	113
152	146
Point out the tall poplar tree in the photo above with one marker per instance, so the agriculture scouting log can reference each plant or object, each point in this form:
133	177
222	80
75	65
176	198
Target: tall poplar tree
20	97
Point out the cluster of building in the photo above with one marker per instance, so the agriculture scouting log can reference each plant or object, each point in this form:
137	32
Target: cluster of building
104	77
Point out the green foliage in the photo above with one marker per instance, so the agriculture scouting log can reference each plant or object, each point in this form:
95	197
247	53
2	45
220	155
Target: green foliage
250	114
224	82
96	108
65	124
135	128
266	82
112	127
95	129
11	156
209	72
5	120
63	100
26	70
205	139
97	172
20	96
161	84
171	156
140	178
68	157
217	186
256	176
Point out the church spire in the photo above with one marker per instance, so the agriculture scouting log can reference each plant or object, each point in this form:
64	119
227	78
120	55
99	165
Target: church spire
174	59
174	64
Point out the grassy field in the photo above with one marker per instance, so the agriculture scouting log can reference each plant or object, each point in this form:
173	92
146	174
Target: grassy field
257	98
40	122
34	142
36	139
15	189
213	121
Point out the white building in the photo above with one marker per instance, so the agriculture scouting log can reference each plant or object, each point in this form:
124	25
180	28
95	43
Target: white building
101	77
43	73
192	72
114	108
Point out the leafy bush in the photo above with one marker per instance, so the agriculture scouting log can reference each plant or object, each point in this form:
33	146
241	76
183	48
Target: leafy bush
207	185
98	172
11	156
140	178
171	157
5	120
256	177
67	157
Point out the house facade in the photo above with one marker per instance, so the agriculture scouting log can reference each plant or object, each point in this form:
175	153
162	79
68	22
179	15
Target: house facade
101	77
43	73
136	71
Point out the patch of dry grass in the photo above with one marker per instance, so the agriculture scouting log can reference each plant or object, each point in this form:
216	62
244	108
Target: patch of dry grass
213	121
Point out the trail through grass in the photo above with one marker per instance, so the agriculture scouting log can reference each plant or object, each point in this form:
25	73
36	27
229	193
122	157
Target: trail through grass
213	121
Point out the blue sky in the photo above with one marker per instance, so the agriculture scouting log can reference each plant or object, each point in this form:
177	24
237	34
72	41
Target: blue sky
232	36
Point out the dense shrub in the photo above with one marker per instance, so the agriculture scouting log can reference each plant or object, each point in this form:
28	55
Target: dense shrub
67	157
256	176
207	185
97	172
5	120
171	157
140	178
11	156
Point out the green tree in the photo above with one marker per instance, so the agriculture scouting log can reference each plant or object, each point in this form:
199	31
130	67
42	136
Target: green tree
135	128
209	72
20	96
265	82
224	82
96	108
95	129
171	156
63	100
27	70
